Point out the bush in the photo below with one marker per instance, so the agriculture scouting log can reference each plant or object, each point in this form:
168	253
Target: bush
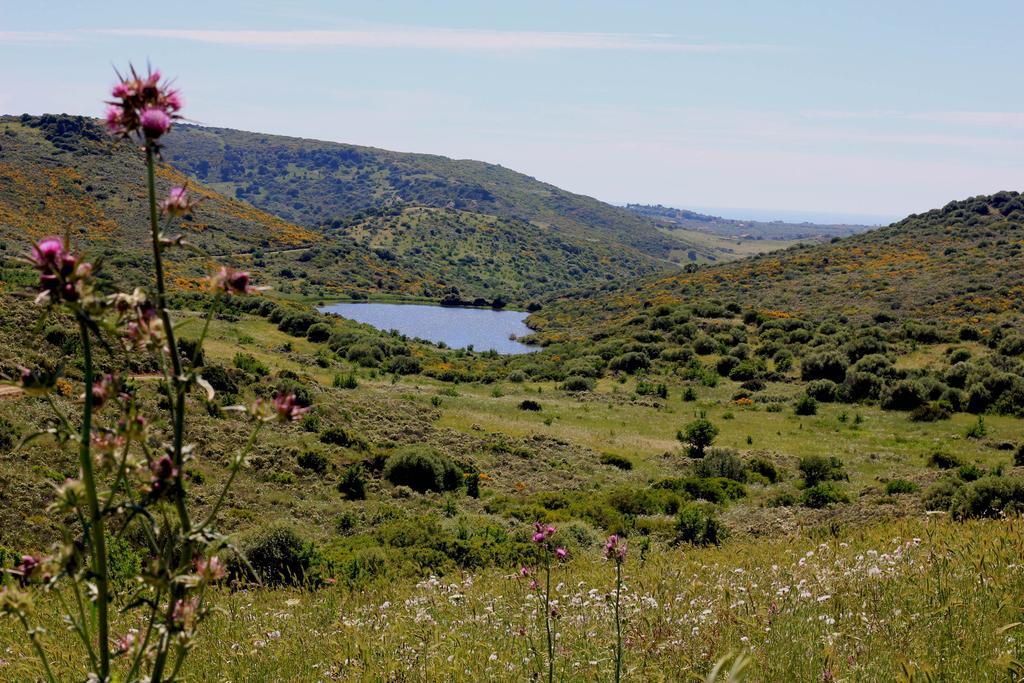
9	434
698	525
314	461
630	362
280	556
1018	456
816	469
766	468
904	395
423	469
365	353
339	436
248	363
345	382
939	495
318	333
897	486
931	412
697	436
970	472
529	404
824	390
806	405
822	495
689	394
944	461
297	324
988	497
722	462
403	365
578	383
829	365
620	461
353	482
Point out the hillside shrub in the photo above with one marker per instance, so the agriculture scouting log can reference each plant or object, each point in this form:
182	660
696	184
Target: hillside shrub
829	365
339	436
297	324
422	469
944	461
615	460
766	468
697	436
822	495
577	383
721	462
318	333
280	556
906	394
816	469
806	405
314	461
630	362
248	363
824	390
698	525
899	486
403	365
529	404
939	495
988	497
353	482
367	353
932	411
9	435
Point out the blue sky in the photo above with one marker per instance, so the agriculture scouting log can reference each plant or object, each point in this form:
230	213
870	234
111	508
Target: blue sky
841	108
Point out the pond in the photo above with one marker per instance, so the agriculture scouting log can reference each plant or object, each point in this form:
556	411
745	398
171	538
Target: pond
482	328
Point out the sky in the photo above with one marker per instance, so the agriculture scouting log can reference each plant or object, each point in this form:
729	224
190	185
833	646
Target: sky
790	109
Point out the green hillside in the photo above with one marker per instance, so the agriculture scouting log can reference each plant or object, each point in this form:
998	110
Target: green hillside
325	184
683	219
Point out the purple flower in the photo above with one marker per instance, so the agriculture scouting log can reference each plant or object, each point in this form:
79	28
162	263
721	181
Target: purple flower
561	553
288	408
615	549
48	255
163	474
178	203
155	122
231	281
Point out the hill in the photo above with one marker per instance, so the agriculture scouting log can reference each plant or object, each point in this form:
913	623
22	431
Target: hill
681	219
951	266
327	185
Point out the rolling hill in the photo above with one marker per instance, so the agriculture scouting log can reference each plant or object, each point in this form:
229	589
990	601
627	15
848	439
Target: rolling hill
682	219
956	265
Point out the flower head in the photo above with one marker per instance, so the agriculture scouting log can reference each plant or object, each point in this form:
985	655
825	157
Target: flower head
615	549
178	203
211	568
142	106
231	281
62	275
162	475
287	407
561	553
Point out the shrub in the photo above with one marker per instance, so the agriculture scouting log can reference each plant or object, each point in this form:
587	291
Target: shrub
318	333
988	497
697	436
345	382
248	363
423	469
353	482
931	412
578	383
816	469
1018	456
620	461
297	324
904	395
366	353
806	405
939	495
824	390
585	366
822	495
339	436
766	468
698	525
944	461
403	365
722	462
897	486
280	556
630	362
828	365
314	461
529	404
689	394
1012	345
970	472
9	434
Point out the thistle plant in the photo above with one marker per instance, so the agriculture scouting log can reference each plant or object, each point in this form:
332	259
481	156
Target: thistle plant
132	473
548	552
615	550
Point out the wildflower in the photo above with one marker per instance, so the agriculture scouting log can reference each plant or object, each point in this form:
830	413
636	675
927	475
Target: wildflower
211	568
70	495
163	474
178	203
36	383
561	553
615	549
184	613
27	567
62	277
231	281
524	572
124	643
143	106
104	389
288	408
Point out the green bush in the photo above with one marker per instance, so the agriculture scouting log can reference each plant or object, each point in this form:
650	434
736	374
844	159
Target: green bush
829	365
345	382
944	461
423	469
824	390
9	435
1018	456
697	436
366	353
630	362
698	525
906	394
403	365
939	495
817	469
529	404
806	405
339	436
765	468
988	497
931	412
314	461
280	556
248	363
318	333
970	472
897	486
620	461
578	383
297	324
722	462
822	495
353	482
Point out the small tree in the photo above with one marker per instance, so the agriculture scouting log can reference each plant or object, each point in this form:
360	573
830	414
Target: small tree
698	435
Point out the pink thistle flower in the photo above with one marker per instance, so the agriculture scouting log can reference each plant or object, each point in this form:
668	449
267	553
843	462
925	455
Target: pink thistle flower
48	255
538	537
615	549
288	408
114	115
211	568
524	572
178	203
104	389
231	281
124	643
561	553
155	122
121	90
163	475
184	613
172	100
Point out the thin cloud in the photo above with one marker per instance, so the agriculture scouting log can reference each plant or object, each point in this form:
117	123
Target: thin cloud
959	118
36	37
437	39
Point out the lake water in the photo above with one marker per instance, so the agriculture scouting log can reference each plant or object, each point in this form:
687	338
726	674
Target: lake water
483	328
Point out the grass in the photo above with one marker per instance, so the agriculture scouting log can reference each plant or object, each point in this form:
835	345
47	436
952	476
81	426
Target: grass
894	601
